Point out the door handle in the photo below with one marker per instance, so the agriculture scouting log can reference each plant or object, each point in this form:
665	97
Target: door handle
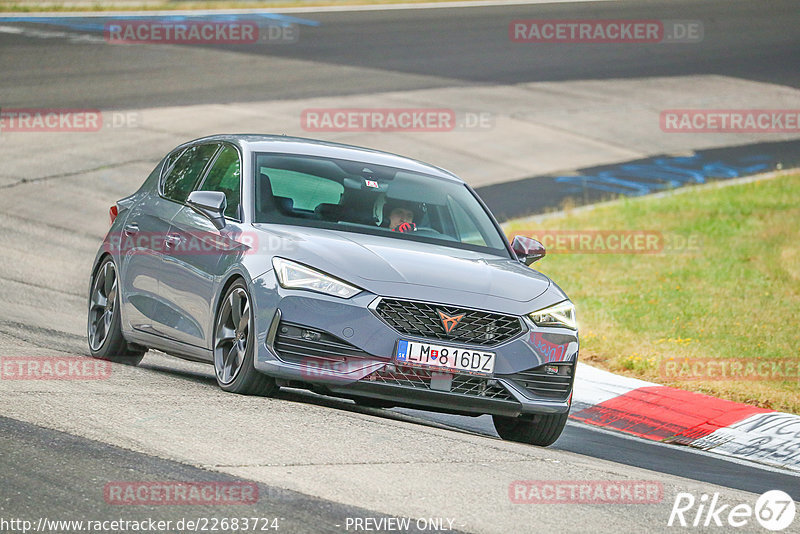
172	240
131	229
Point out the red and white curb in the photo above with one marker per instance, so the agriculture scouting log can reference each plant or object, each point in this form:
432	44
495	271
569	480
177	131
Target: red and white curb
670	415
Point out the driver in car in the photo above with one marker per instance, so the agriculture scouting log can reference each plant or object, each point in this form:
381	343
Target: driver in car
401	219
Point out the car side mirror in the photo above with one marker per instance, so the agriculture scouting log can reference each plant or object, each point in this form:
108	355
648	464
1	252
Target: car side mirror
527	250
212	204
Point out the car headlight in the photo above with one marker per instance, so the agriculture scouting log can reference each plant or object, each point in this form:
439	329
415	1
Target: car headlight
562	314
293	275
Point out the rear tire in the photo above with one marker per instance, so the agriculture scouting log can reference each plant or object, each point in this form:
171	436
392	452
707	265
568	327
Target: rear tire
234	346
541	429
103	326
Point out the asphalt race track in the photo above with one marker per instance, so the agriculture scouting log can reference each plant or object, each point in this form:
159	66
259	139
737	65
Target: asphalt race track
400	50
316	461
38	461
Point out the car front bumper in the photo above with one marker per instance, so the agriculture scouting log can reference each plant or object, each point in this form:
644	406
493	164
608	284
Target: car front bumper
342	347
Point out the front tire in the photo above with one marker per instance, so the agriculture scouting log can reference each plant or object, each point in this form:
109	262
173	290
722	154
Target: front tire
541	429
103	326
235	345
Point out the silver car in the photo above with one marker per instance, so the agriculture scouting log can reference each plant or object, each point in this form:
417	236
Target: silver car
348	271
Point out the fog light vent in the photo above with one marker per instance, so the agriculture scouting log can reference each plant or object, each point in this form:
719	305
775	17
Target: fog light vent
310	335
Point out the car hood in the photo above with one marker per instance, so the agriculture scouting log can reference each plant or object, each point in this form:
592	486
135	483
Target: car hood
371	261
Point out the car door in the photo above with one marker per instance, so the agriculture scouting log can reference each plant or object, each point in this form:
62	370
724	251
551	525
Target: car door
151	223
141	247
198	254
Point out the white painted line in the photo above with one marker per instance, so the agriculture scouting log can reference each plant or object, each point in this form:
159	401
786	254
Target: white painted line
310	9
594	386
689	450
770	438
47	34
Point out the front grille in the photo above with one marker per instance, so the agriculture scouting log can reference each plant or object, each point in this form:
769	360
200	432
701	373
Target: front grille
422	319
295	343
543	384
421	379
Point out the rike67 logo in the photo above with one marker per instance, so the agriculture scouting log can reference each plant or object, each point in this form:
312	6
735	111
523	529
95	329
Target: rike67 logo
773	510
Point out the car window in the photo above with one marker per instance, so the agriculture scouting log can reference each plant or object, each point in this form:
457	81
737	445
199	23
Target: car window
306	191
353	196
224	176
171	159
187	170
468	231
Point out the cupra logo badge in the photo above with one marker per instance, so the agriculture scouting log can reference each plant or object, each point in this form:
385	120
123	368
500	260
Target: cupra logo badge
449	322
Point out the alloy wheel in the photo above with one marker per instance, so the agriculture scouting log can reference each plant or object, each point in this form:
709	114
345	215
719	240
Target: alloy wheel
102	303
232	334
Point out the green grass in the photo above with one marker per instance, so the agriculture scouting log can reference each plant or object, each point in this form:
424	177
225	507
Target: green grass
735	296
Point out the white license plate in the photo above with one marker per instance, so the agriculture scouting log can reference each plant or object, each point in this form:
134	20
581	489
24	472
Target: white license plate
446	358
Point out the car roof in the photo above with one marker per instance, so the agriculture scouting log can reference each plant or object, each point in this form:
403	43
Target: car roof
313	147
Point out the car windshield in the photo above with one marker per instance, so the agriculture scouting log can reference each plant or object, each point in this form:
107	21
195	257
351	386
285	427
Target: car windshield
358	197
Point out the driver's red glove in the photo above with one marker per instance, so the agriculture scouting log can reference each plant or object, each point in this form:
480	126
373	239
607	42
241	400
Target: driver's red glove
407	227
